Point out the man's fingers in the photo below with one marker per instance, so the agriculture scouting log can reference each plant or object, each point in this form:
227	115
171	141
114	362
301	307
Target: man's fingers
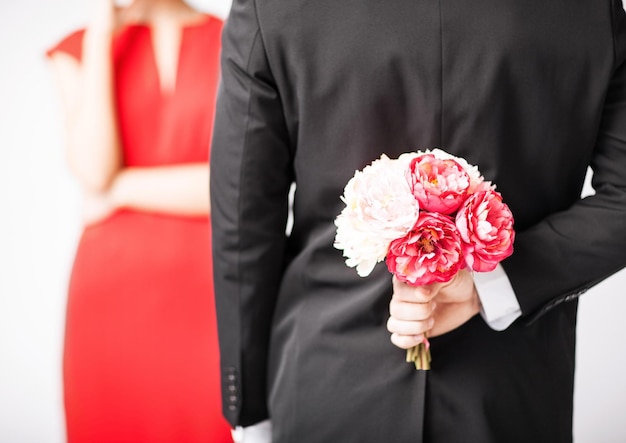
416	294
404	327
411	313
450	316
457	290
406	341
403	310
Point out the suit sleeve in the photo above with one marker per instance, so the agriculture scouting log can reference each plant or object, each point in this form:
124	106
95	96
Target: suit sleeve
562	257
250	179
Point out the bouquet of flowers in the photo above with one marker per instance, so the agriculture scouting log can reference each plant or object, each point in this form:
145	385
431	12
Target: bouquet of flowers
428	214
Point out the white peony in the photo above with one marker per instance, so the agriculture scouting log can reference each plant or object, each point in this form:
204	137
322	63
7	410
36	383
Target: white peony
380	208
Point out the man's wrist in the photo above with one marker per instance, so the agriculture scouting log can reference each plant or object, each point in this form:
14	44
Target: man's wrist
258	433
499	305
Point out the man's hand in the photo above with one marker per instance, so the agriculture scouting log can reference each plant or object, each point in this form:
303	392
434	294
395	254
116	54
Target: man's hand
431	309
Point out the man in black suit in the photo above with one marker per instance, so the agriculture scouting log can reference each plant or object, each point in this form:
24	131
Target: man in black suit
532	92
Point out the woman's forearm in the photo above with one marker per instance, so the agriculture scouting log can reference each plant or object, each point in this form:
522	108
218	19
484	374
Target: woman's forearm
93	144
177	189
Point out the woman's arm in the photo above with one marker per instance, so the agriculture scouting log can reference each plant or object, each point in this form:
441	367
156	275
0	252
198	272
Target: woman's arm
177	189
92	140
180	189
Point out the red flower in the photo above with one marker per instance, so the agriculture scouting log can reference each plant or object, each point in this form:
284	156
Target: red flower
439	184
430	252
485	223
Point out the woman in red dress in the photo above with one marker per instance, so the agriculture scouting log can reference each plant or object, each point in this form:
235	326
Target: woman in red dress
140	363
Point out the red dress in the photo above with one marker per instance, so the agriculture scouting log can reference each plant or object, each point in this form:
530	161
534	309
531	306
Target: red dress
141	357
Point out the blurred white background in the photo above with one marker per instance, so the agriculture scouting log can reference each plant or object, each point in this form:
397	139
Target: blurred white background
39	225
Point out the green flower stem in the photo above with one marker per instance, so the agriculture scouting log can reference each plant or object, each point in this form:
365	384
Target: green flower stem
420	356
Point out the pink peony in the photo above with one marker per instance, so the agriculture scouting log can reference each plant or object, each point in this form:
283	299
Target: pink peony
477	181
485	224
430	252
439	184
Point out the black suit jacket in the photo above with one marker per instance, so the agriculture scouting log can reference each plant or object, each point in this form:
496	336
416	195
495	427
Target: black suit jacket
533	92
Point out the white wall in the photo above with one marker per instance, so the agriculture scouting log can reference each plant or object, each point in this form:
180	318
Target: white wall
38	232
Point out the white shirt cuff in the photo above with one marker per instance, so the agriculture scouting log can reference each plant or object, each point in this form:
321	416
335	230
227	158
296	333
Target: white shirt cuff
257	433
499	306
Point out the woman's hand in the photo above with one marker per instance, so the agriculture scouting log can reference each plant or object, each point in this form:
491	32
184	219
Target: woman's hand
96	207
106	16
435	309
87	88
